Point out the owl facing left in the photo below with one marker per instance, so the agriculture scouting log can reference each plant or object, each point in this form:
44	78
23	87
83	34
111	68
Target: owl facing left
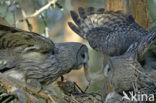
135	69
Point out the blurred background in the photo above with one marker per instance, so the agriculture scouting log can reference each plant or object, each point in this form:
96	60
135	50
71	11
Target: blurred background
52	18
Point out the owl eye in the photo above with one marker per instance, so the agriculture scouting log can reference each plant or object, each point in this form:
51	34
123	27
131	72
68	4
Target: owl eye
107	70
83	56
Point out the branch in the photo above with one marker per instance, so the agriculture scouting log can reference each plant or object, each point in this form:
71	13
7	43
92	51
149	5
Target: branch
24	92
53	2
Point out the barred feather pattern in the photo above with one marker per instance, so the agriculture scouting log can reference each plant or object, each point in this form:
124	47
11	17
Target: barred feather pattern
136	65
108	32
30	56
13	38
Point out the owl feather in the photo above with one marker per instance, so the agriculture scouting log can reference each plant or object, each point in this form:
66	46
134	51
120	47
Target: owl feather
108	32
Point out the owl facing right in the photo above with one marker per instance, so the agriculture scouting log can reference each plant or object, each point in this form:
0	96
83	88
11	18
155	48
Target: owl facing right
108	32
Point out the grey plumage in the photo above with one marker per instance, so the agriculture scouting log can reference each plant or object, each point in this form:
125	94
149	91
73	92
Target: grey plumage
136	66
30	56
109	32
132	64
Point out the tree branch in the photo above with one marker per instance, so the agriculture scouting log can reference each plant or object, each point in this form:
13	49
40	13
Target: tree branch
52	2
25	93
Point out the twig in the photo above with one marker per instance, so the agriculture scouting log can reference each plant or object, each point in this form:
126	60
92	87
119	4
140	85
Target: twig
12	85
39	11
27	21
13	12
105	89
143	74
46	30
78	87
74	100
7	84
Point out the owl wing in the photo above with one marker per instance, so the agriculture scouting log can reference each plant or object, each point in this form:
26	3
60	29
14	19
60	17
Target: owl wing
15	42
106	31
13	38
144	52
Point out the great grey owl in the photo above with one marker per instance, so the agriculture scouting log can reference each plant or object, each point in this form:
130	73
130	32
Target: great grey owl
30	56
109	32
136	68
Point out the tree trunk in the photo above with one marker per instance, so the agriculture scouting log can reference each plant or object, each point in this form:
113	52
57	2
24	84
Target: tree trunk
137	8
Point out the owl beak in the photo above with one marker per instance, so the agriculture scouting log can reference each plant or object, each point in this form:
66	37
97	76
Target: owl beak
86	72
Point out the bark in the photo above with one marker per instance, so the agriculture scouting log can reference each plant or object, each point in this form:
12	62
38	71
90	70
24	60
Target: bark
138	9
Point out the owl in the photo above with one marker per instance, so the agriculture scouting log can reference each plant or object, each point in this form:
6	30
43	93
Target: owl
28	56
108	32
135	69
